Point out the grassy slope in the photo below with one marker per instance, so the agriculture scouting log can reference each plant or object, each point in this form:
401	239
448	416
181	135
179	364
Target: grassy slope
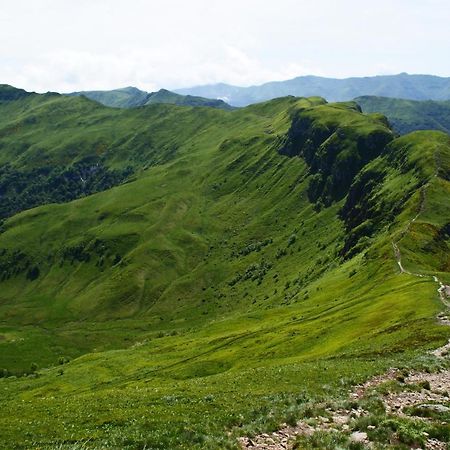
165	96
54	129
128	97
70	147
409	115
203	348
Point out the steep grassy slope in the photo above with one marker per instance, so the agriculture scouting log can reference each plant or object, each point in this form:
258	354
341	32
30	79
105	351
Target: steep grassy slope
131	97
54	148
409	115
403	85
221	287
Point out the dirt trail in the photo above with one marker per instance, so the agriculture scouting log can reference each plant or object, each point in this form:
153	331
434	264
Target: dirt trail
443	290
437	384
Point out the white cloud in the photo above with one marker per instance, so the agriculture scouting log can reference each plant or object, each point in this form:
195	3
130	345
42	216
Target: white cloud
68	70
102	44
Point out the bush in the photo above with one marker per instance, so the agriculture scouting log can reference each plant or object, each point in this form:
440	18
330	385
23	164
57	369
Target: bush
440	431
410	435
254	247
33	273
292	239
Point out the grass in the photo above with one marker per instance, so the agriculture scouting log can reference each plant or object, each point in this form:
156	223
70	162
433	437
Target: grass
208	296
131	97
409	115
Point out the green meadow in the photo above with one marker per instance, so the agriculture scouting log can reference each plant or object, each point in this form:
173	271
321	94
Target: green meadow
176	277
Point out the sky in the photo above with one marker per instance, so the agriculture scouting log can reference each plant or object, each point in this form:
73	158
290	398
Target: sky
71	45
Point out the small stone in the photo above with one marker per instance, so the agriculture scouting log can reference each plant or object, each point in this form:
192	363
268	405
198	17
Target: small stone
358	436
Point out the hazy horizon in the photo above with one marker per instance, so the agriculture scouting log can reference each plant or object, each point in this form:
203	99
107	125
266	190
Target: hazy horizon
270	81
64	46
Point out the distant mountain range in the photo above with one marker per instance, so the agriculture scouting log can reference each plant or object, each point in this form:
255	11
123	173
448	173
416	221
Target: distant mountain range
131	97
413	87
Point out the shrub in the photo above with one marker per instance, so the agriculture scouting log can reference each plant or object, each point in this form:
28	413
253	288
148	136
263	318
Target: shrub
254	247
292	239
33	273
410	435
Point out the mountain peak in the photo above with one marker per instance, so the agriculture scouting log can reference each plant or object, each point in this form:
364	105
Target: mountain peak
10	93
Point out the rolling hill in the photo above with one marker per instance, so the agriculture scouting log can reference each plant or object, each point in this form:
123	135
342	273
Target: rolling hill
413	87
409	115
175	277
131	97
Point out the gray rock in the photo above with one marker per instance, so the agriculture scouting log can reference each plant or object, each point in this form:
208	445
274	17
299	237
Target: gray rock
435	407
358	436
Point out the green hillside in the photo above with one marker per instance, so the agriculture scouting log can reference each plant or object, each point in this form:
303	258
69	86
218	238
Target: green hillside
213	271
131	97
127	97
409	115
165	96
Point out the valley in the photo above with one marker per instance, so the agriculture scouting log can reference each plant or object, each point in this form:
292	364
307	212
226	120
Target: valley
209	274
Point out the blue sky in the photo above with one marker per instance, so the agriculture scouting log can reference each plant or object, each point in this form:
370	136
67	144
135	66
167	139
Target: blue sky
67	45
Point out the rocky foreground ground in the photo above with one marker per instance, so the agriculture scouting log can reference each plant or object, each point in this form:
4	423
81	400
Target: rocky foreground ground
423	392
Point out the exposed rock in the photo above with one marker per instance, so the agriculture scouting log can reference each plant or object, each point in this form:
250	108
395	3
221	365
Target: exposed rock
359	436
435	408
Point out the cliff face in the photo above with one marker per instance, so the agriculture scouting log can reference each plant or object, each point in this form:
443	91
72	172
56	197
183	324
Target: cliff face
336	141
